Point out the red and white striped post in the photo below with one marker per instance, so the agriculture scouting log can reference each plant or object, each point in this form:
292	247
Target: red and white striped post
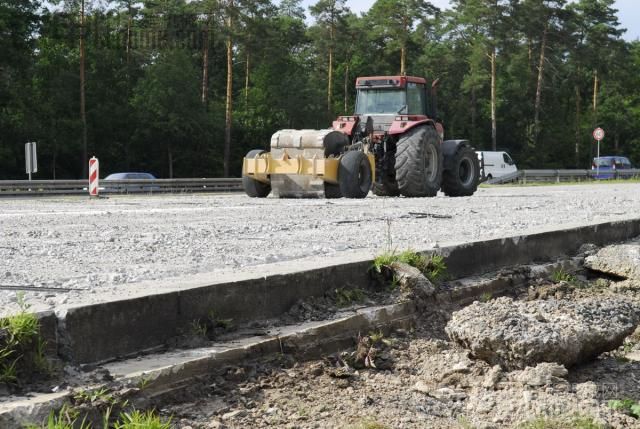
93	176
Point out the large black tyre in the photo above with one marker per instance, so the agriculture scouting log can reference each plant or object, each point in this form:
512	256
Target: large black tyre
332	191
385	189
354	175
419	163
252	187
463	175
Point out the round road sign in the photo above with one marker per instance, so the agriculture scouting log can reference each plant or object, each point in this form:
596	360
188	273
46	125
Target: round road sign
598	134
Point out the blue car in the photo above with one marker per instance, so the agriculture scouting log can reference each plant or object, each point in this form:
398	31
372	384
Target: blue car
606	166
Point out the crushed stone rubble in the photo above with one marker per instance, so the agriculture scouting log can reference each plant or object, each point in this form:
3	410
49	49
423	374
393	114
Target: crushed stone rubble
421	379
517	334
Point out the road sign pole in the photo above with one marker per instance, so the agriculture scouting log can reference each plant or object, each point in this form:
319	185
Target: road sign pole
30	158
598	162
598	135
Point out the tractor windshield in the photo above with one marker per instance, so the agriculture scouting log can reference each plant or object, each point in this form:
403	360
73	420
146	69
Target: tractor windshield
381	100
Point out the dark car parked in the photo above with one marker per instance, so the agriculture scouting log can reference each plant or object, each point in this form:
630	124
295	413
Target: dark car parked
137	185
606	166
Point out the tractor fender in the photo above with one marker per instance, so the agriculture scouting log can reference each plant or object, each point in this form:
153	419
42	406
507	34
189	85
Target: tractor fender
449	148
401	127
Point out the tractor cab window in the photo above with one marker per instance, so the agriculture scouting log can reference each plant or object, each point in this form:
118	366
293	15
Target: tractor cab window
416	101
381	101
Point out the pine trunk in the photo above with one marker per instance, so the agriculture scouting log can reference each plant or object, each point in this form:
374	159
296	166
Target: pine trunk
246	83
346	89
595	98
577	137
474	102
229	97
205	64
536	116
494	127
330	83
83	116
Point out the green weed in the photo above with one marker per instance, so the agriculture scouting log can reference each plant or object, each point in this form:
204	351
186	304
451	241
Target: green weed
433	267
66	418
21	347
561	275
368	424
218	322
199	329
627	406
141	420
576	422
346	297
464	422
486	297
93	396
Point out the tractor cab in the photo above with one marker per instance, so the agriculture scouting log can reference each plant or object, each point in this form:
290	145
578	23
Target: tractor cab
397	95
391	104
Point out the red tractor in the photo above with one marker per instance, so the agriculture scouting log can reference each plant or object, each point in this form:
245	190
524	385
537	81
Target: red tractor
393	145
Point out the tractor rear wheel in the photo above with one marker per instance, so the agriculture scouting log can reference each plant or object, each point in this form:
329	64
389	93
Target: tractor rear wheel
254	188
419	163
386	189
354	175
462	179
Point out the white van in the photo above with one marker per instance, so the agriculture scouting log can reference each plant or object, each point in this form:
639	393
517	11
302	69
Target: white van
496	164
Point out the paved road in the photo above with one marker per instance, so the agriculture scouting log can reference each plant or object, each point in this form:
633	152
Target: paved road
110	244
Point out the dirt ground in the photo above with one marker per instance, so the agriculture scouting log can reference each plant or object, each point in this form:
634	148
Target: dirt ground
422	380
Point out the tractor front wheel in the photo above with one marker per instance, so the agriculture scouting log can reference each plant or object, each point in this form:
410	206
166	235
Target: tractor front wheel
419	163
254	188
354	175
462	178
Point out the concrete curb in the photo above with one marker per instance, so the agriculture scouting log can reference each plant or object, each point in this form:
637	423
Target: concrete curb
100	332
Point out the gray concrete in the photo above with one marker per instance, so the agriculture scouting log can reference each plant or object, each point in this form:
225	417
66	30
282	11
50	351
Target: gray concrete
121	327
74	250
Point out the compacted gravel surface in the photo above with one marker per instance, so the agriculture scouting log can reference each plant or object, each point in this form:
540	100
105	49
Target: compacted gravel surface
85	246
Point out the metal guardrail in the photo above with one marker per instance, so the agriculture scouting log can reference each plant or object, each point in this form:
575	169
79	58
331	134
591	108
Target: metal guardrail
71	187
559	176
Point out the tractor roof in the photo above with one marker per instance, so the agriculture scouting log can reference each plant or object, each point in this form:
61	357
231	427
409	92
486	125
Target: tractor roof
387	81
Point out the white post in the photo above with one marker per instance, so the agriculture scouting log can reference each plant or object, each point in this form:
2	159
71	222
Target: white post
93	176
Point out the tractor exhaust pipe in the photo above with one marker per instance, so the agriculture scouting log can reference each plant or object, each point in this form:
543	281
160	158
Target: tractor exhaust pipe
434	98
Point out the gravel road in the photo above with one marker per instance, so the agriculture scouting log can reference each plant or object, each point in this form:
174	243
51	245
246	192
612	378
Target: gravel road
87	245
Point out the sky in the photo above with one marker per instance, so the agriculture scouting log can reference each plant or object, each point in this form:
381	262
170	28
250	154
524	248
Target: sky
628	13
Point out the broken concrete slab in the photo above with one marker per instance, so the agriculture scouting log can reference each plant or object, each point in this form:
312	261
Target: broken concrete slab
413	284
622	260
516	334
543	374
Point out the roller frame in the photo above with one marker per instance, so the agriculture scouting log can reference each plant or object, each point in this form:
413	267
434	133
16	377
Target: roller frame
262	167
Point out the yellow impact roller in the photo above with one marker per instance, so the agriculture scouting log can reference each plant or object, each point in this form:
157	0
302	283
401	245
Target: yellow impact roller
308	164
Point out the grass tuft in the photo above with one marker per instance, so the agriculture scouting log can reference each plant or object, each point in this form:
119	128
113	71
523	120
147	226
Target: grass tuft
561	275
21	347
576	422
346	297
627	406
433	267
141	420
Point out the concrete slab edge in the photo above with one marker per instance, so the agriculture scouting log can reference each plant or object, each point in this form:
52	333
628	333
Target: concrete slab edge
96	333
